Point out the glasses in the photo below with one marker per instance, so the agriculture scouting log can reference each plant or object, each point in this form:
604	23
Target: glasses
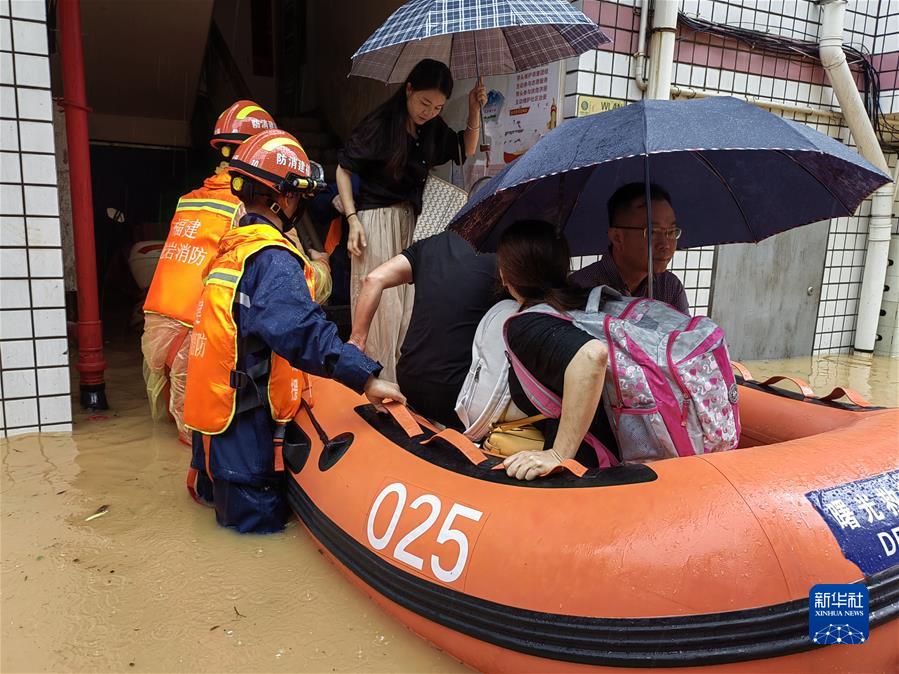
672	234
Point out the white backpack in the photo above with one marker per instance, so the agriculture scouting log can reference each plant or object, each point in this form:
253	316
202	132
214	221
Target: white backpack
484	399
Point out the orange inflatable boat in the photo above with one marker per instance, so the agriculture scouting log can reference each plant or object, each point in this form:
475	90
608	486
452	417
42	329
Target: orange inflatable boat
698	564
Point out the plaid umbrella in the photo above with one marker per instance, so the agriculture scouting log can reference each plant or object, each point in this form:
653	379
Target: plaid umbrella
476	37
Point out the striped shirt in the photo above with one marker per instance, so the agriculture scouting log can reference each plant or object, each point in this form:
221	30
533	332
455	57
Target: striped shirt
665	286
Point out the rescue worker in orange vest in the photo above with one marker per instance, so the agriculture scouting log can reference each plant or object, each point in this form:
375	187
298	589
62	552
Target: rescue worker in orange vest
201	218
255	323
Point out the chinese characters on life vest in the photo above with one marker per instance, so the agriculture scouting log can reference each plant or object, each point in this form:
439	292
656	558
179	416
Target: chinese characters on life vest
183	251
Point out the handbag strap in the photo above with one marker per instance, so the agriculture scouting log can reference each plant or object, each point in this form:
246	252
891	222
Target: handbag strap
518	423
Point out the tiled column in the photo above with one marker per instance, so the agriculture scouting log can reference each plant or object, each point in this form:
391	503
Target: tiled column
34	386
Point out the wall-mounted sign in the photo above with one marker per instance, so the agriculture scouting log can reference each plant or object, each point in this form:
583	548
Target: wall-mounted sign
590	105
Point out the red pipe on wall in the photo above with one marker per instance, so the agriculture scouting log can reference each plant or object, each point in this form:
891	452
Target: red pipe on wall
91	365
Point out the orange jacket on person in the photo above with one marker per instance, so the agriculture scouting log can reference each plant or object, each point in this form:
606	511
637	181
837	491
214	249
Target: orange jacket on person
201	219
212	379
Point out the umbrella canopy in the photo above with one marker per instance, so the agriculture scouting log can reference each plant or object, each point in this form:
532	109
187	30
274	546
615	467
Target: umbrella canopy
476	37
735	173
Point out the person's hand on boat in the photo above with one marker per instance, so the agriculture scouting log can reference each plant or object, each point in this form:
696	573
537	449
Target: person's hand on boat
337	203
530	465
378	390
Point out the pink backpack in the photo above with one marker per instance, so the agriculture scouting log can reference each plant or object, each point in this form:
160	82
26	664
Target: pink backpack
669	389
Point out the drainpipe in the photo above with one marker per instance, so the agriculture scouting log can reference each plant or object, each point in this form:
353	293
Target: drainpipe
91	364
661	48
888	326
834	61
640	56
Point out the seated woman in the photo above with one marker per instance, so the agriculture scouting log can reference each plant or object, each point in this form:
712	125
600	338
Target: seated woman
533	266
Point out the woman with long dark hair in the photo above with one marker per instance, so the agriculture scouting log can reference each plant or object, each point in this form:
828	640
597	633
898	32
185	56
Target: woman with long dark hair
392	150
534	262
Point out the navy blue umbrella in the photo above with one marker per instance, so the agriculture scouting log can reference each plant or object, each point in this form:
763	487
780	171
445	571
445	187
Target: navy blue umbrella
735	174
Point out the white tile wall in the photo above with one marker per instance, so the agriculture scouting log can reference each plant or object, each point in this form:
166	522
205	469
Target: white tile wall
7	102
29	9
51	352
9	134
41	200
17	353
44	231
36	136
13	263
29	37
6	73
45	263
53	381
5	35
18	383
49	322
20	413
35	104
34	350
10	171
39	168
11	199
15	324
47	293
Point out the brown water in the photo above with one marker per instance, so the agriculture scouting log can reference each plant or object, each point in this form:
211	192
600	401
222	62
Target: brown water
155	585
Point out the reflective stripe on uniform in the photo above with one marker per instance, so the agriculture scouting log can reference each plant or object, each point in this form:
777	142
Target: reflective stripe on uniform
223	277
212	205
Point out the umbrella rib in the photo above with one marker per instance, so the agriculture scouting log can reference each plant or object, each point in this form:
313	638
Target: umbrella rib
848	210
727	186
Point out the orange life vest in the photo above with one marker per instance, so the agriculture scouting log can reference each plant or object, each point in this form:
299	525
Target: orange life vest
210	399
201	218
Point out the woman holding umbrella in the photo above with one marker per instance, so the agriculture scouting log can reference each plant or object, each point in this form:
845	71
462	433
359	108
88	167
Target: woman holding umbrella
392	150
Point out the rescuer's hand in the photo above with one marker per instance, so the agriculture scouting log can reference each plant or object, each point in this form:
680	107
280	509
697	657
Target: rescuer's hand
379	390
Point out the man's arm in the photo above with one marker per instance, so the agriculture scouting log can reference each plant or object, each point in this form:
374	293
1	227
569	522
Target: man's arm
396	271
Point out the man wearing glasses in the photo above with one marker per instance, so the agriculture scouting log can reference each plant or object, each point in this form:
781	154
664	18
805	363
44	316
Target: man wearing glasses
624	266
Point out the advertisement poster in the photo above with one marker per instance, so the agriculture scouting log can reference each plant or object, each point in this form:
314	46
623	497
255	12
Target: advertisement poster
517	118
530	109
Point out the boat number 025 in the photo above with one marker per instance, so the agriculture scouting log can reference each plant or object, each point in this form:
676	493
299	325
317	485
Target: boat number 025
446	533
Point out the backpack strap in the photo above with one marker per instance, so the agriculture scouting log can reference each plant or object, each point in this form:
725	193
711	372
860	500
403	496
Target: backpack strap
545	400
595	298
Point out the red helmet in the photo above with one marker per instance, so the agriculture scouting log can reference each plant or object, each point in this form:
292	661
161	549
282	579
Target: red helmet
237	123
276	160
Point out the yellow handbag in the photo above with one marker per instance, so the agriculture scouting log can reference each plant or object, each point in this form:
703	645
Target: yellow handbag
512	437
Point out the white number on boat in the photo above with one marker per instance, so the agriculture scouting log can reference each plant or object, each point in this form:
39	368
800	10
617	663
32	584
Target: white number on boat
400	550
446	533
399	489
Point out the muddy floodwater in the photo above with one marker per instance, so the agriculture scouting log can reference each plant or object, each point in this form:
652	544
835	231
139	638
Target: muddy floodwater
152	584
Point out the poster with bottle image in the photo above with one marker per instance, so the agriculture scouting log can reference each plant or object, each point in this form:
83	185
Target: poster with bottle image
531	109
517	114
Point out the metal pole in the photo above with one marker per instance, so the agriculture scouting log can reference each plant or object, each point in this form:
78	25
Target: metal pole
91	365
648	226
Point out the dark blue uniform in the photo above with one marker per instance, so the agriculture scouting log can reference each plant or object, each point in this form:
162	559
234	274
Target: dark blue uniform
273	311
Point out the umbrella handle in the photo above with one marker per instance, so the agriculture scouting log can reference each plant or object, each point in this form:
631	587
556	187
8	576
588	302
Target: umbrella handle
477	69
